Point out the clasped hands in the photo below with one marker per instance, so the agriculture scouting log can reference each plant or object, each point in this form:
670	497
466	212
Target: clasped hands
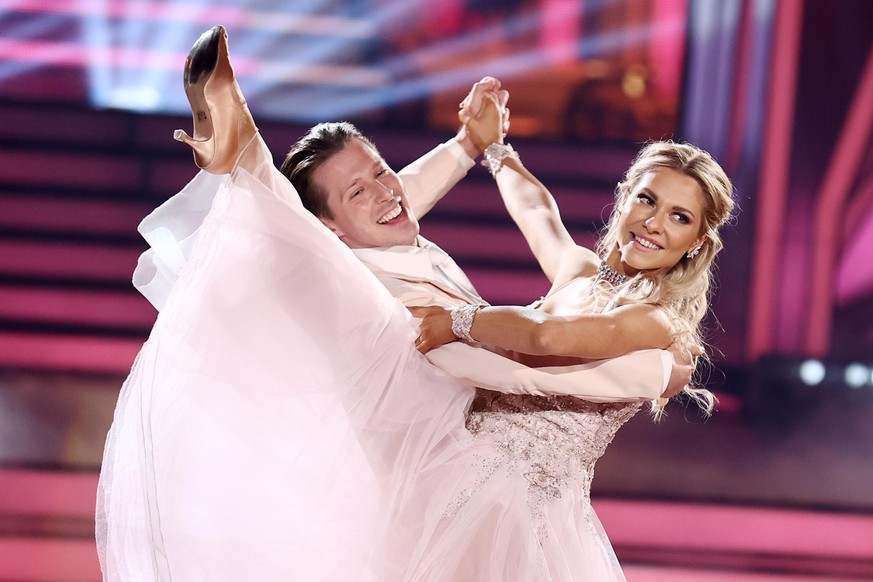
484	113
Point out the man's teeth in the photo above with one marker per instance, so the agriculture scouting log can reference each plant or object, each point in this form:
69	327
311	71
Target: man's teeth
645	243
391	215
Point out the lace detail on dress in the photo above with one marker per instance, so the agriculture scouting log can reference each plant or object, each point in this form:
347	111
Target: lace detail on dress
552	441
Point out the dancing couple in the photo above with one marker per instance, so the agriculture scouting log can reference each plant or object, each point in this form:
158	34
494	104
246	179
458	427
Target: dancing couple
281	422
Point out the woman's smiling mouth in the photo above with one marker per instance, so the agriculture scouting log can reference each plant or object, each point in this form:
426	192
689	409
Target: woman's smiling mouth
645	243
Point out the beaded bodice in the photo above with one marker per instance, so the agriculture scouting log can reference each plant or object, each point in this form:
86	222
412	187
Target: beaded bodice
555	439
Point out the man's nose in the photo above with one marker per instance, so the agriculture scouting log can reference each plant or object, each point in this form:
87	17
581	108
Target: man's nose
383	191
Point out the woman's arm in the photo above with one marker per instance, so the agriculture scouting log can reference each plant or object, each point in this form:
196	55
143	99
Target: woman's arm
522	329
529	202
535	212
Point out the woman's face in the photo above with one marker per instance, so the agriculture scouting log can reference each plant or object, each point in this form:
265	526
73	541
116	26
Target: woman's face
660	221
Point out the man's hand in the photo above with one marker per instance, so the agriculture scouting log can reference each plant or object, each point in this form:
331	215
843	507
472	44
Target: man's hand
684	362
471	107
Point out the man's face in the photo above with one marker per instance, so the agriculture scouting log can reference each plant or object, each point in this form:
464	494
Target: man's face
366	199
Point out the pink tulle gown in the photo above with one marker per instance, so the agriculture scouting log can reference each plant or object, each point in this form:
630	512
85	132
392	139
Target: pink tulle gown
279	425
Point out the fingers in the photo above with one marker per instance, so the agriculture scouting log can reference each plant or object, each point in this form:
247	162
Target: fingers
465	115
490	126
421	312
670	392
673	391
471	106
488	83
491	99
502	97
472	103
684	355
684	366
425	343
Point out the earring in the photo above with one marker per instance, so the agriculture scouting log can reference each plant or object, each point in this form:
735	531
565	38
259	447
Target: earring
693	252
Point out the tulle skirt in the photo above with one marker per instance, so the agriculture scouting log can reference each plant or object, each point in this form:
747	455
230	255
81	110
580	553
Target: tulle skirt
279	425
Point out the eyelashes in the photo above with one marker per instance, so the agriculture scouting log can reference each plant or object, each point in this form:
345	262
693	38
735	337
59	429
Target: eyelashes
648	200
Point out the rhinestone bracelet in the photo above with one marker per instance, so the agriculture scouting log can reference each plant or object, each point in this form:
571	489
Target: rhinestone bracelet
462	320
495	154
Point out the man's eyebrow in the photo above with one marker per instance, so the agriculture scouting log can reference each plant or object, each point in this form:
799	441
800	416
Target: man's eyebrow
352	184
376	164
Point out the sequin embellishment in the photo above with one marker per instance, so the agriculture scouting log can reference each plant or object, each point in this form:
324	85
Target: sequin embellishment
551	442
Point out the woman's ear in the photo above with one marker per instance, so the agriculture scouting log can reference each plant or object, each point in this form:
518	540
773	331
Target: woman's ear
695	250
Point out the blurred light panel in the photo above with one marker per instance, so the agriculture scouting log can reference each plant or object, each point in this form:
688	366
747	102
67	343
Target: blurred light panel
811	372
856	375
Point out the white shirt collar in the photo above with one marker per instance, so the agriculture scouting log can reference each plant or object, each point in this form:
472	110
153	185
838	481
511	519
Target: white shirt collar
410	260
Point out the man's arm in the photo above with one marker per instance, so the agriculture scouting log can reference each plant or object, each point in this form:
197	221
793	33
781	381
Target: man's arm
641	375
430	177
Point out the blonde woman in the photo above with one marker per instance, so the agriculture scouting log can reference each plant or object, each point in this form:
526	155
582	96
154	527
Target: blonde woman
645	287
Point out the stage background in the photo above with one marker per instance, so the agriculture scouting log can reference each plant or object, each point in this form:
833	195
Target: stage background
778	484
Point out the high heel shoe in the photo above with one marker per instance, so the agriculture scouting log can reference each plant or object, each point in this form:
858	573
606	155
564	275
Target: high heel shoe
223	125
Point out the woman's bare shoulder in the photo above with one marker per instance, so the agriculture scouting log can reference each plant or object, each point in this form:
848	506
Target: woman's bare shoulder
577	262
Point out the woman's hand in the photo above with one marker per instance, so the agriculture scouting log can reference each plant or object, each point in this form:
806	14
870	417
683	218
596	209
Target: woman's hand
435	328
491	123
471	106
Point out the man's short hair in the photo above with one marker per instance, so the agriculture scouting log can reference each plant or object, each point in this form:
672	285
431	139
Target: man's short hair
313	149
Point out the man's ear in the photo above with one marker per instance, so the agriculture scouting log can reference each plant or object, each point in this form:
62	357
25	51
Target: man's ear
331	225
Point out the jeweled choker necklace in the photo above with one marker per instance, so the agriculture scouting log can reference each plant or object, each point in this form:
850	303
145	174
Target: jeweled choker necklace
610	275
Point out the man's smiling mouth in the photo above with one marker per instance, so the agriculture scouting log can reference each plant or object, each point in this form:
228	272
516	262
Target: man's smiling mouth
391	214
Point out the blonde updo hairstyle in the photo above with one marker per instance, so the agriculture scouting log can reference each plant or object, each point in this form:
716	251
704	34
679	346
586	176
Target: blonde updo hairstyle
683	289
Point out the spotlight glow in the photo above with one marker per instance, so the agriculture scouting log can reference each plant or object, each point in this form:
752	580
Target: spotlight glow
856	375
812	372
136	98
324	60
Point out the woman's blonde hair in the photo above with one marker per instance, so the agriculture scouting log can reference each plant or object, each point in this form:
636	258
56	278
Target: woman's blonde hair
683	289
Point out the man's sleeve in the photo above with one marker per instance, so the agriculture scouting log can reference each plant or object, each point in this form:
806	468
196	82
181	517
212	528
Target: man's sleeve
431	176
641	375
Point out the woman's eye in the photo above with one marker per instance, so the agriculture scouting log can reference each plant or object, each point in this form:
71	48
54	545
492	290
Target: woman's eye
645	199
682	218
381	172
